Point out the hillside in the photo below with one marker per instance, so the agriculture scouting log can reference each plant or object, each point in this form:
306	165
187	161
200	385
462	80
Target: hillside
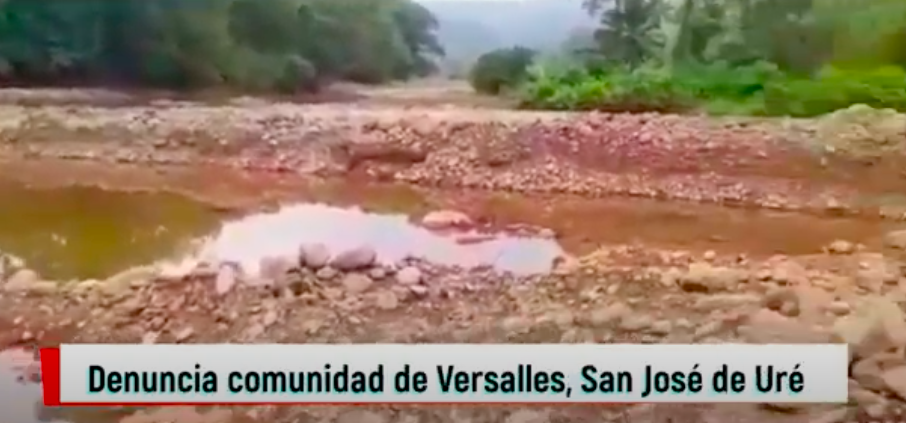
469	28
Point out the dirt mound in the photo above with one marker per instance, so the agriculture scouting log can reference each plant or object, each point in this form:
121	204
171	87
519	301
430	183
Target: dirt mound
859	131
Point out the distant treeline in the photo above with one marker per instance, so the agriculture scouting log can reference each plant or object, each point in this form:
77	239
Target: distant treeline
284	45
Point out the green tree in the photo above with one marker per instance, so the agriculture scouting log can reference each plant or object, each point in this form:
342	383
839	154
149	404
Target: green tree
501	69
277	44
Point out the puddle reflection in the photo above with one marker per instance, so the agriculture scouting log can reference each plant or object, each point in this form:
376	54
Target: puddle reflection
394	237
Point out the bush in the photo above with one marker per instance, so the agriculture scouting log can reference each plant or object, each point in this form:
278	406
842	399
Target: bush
757	89
501	70
834	89
298	74
618	89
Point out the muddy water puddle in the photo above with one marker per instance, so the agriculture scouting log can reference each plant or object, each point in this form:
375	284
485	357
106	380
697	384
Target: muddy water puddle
63	225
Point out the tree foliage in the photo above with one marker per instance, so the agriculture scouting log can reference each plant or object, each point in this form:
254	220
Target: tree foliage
501	69
274	44
765	57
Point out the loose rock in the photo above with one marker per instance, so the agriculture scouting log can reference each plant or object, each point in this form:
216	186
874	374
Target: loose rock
895	381
386	300
444	219
326	273
841	247
275	268
896	239
409	275
769	327
355	259
356	283
876	326
22	279
314	256
703	277
226	279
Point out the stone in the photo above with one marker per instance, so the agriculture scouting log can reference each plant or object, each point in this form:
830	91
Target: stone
377	273
227	276
874	277
789	273
45	287
670	277
777	297
22	279
606	315
840	247
356	283
275	268
725	301
896	239
132	276
867	373
386	300
661	327
636	322
326	273
704	277
355	259
314	256
863	396
877	325
420	291
150	338
9	264
895	381
409	275
769	327
445	219
184	334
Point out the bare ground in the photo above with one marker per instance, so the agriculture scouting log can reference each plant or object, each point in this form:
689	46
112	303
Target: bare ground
620	293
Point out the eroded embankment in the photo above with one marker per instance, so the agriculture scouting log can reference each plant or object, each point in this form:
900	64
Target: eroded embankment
843	163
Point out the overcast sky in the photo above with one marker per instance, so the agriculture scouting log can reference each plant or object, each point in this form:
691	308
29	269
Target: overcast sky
470	0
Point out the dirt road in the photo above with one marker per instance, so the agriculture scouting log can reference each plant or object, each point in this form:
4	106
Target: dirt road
663	269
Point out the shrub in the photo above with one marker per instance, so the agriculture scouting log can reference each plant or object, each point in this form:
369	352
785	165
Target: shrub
757	89
618	89
501	70
834	89
298	74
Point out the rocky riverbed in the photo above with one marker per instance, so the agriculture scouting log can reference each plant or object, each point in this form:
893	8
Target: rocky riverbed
251	256
849	162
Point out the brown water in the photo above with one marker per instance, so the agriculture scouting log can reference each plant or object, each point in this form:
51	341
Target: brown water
65	230
89	232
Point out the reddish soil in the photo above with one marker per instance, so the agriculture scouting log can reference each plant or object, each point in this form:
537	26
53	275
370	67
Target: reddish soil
695	274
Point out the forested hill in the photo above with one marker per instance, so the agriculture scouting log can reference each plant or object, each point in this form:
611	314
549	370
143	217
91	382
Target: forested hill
470	28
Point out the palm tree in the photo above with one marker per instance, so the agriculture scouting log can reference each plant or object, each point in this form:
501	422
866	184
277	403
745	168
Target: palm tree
626	28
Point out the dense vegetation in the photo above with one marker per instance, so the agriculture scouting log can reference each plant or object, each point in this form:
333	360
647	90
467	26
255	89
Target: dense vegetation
285	45
500	69
761	57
